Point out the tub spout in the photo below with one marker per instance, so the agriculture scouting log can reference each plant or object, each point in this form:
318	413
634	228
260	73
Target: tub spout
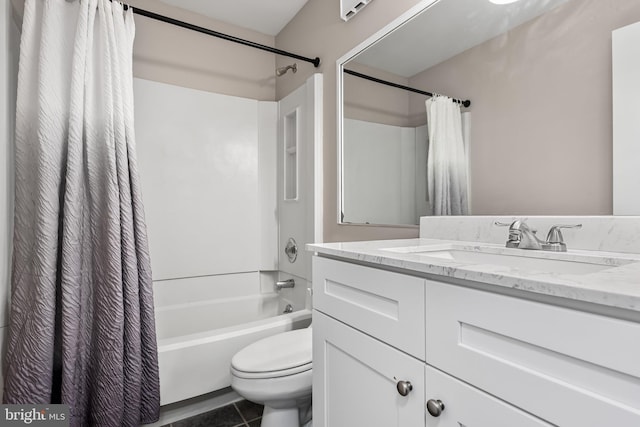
281	284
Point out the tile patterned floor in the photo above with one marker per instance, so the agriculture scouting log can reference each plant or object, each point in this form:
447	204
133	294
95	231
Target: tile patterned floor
239	414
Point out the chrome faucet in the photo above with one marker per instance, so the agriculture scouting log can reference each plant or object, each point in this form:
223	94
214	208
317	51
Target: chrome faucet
522	236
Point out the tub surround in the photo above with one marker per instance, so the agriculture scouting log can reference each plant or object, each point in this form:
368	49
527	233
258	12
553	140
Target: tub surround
222	139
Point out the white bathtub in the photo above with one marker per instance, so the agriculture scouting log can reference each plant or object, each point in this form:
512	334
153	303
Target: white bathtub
197	339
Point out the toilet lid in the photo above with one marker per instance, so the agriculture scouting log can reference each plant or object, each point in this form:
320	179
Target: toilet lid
288	351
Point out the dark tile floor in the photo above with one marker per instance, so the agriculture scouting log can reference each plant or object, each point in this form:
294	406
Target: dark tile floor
239	414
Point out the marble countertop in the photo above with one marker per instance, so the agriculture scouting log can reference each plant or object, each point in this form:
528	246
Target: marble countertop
617	284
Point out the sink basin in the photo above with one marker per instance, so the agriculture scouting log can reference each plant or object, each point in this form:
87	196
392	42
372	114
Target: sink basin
515	259
519	262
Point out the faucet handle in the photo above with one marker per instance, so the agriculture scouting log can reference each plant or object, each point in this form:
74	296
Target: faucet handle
555	241
503	224
555	235
516	225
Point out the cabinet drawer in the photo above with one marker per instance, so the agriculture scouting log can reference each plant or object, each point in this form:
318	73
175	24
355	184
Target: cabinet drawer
568	367
469	407
355	379
388	306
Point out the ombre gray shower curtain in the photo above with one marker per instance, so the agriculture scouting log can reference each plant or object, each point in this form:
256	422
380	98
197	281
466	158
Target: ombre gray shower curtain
82	324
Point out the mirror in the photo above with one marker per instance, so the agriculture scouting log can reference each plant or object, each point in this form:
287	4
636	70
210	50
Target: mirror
538	132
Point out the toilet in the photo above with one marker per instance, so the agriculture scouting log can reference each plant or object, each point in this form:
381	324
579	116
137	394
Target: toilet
276	372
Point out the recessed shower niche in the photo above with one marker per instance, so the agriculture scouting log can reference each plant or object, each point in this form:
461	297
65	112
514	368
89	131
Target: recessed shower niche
291	156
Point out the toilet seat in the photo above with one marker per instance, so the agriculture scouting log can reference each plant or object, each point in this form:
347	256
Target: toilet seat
271	374
276	356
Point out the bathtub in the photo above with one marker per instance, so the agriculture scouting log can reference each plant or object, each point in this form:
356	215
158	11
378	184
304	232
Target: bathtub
197	339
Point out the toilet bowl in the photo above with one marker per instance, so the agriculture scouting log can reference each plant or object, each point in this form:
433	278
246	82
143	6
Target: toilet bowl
276	372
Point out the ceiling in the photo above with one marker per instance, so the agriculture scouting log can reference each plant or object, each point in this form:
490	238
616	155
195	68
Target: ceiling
446	29
265	16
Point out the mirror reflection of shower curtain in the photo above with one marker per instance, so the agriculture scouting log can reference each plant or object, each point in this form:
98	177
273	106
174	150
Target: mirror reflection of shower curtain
466	137
447	165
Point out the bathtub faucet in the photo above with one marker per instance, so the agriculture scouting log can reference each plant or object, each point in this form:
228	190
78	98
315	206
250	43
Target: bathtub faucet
281	284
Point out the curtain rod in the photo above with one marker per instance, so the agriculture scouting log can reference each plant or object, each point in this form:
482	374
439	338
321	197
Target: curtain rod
168	20
465	103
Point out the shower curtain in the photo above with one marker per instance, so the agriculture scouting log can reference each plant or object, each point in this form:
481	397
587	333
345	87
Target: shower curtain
447	167
82	328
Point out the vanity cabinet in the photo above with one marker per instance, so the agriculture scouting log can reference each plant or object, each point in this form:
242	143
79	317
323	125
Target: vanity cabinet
356	384
492	359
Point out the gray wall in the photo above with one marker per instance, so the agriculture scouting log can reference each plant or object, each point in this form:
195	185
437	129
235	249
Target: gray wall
170	54
542	111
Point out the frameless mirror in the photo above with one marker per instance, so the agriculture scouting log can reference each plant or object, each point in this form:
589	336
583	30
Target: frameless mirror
538	132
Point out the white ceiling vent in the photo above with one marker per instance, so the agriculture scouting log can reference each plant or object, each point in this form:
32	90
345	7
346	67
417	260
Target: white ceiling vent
348	8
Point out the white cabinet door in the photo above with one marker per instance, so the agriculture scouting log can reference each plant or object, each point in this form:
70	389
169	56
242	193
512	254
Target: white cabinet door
355	380
572	368
469	407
